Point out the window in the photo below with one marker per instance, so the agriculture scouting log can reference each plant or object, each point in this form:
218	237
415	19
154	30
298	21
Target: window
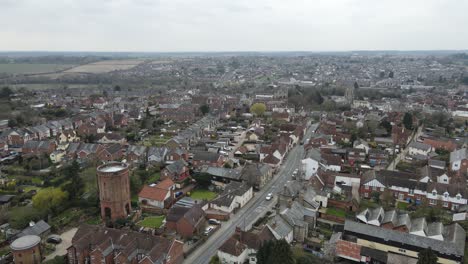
401	196
434	193
367	187
446	195
458	197
374	188
432	201
366	195
381	189
411	191
402	250
445	204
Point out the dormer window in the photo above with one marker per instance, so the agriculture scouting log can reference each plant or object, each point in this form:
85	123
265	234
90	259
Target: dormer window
434	193
446	195
458	197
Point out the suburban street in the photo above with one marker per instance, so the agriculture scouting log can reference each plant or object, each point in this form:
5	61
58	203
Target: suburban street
256	208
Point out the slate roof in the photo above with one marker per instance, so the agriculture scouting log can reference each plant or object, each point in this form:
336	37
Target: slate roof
226	173
37	229
459	155
280	226
130	243
419	145
157	153
206	156
230	192
454	245
176	167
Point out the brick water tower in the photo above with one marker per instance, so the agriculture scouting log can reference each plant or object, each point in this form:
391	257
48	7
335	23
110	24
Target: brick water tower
114	190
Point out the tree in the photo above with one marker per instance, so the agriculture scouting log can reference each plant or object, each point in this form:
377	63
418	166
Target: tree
356	85
215	260
49	199
117	88
203	179
275	252
329	105
390	75
6	92
387	125
382	74
427	256
258	109
408	121
205	109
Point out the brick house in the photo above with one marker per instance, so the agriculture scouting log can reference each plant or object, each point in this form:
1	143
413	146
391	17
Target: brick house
95	244
187	222
177	171
440	143
39	147
110	152
136	154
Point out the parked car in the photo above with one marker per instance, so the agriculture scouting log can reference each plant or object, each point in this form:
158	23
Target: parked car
208	230
178	194
54	239
269	197
214	222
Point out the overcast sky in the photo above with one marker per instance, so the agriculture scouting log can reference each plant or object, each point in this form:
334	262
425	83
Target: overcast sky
232	25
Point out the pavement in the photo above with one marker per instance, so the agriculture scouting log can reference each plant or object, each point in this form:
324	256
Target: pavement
253	210
61	249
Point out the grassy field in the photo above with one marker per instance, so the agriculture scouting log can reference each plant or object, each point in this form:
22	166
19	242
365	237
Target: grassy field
152	221
203	195
105	66
21	68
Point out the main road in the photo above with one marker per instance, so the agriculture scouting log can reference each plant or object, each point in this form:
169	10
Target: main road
255	208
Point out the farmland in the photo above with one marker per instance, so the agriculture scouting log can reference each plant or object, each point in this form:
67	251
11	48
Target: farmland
105	66
28	68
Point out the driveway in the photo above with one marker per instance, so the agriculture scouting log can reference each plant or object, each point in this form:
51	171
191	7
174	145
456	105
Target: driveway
61	249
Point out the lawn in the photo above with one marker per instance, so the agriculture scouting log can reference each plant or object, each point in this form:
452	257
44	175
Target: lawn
156	140
152	221
203	195
154	178
336	212
402	205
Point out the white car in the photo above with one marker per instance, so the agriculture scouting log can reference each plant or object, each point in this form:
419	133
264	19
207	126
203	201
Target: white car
269	197
208	230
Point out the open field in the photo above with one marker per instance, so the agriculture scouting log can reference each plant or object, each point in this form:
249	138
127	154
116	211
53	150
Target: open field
203	195
105	66
23	68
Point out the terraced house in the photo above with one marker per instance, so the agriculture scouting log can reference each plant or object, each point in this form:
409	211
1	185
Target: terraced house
435	188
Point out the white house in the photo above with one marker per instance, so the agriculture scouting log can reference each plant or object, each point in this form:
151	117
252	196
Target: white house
418	148
309	167
234	196
157	195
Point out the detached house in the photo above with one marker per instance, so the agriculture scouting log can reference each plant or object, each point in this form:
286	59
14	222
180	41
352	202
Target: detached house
187	222
136	154
417	148
110	152
234	197
177	172
159	195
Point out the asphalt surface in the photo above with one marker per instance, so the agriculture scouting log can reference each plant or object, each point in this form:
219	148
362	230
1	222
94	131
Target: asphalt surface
256	208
